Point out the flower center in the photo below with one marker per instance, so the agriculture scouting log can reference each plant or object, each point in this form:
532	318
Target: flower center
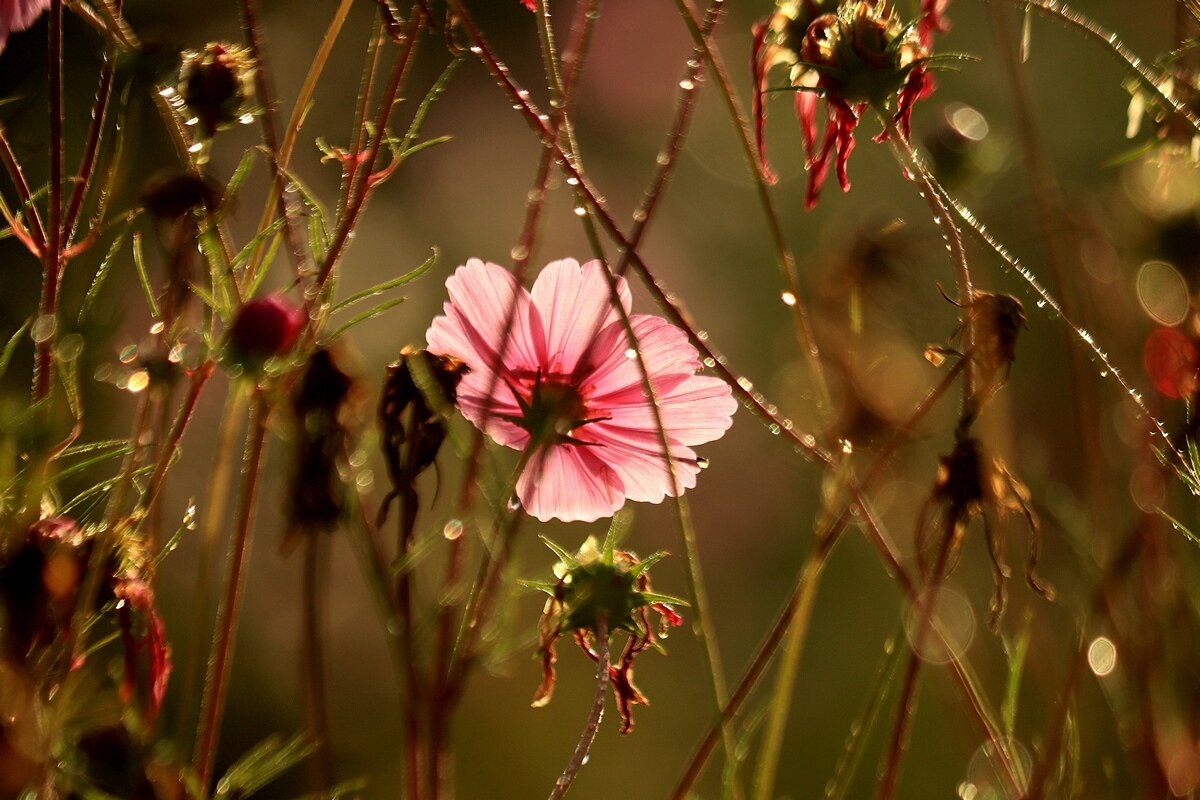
554	409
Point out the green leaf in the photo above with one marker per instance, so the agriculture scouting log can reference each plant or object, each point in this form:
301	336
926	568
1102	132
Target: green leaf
1015	653
102	273
366	315
239	175
617	530
143	276
380	288
7	353
244	254
563	555
223	293
263	764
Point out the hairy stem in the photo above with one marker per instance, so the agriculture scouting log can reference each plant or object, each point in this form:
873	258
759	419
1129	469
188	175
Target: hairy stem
579	757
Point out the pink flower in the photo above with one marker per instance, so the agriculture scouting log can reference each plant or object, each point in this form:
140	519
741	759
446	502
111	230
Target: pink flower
17	15
569	388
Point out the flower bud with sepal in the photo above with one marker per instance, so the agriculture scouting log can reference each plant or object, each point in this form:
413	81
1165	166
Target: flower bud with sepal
606	585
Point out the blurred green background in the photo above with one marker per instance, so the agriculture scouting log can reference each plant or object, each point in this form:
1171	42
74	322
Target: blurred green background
755	506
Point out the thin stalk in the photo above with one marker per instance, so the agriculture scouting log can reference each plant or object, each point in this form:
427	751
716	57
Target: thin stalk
906	708
24	193
1060	246
216	682
696	590
1113	44
91	148
299	110
52	259
262	86
312	667
170	444
668	156
912	164
212	521
579	757
785	258
361	184
785	680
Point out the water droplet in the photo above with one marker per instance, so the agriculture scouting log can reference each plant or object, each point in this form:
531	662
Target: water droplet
43	328
69	347
196	147
1102	656
687	85
157	328
246	119
702	462
128	354
631	354
788	299
138	381
365	478
580	211
453	529
745	383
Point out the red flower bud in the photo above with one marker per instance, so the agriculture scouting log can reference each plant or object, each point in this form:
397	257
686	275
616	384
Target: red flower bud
264	327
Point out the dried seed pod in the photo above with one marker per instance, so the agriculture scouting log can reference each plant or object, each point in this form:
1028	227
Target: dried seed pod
217	85
971	484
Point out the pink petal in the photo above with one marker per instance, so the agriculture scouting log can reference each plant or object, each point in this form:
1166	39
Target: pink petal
665	350
17	15
636	456
481	296
570	483
694	410
473	402
574	304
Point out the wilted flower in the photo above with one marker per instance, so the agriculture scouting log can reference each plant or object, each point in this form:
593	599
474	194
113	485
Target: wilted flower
325	405
407	419
855	55
971	484
217	84
612	586
265	327
568	389
996	320
17	15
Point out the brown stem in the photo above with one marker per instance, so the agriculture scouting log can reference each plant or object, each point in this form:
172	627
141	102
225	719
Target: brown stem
262	86
91	147
361	184
579	757
907	707
24	193
52	258
216	681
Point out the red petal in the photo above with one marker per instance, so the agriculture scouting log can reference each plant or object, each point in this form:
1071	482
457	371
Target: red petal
758	68
529	4
1171	362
